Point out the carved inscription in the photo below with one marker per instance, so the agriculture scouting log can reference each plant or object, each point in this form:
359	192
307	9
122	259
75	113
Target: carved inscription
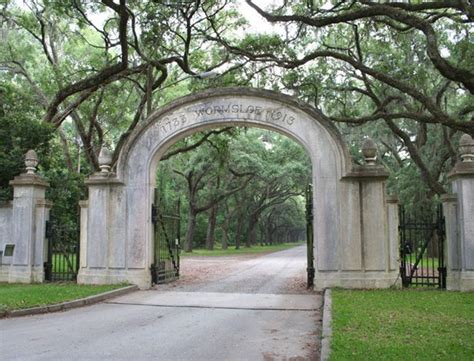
256	111
170	124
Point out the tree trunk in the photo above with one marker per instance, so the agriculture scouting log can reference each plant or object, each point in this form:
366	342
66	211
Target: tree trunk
252	234
225	230
238	230
188	246
269	232
211	227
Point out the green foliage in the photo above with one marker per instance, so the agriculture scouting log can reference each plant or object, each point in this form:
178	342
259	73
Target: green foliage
402	325
66	190
273	169
19	131
81	39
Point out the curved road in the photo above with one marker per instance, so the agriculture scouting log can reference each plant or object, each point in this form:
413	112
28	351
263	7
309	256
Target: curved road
245	309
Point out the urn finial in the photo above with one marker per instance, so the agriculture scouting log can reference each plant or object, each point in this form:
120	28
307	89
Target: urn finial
31	161
105	160
466	148
369	150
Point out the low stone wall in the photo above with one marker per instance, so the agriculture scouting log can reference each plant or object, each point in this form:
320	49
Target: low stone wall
5	237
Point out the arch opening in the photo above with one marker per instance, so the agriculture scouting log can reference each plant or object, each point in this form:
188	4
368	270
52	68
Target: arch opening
242	188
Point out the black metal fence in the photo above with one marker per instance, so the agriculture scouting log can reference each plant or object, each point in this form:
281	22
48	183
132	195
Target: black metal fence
309	237
422	240
167	224
63	251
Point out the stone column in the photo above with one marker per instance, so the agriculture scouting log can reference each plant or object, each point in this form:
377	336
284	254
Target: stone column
29	215
451	244
460	236
105	257
377	251
369	255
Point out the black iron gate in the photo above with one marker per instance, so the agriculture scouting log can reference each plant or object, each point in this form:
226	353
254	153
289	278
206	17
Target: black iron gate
422	249
63	251
309	236
167	224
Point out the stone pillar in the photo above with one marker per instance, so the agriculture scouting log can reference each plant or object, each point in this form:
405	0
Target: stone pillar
451	245
29	215
103	233
460	220
377	221
368	258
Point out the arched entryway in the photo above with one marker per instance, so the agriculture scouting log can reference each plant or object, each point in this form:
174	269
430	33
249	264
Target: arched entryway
354	224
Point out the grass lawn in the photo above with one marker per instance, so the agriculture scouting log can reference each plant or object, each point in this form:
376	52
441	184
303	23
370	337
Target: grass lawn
17	296
402	325
231	251
63	264
427	262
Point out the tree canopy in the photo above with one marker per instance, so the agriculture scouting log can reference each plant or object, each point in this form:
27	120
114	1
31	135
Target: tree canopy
76	76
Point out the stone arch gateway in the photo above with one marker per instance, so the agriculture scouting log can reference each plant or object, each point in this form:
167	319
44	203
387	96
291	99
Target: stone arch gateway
355	223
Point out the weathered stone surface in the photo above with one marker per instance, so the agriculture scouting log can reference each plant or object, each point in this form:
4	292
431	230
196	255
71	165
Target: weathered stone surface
393	223
30	211
459	213
348	242
5	235
83	234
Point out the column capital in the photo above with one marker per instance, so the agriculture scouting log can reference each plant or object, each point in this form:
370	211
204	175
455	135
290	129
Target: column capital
367	172
449	197
392	199
462	169
27	179
102	179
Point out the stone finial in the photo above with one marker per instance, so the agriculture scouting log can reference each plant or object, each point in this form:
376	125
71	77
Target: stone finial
466	148
105	160
31	161
369	150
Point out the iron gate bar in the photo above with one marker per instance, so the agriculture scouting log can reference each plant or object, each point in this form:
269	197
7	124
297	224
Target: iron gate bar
166	250
167	239
309	236
420	240
63	252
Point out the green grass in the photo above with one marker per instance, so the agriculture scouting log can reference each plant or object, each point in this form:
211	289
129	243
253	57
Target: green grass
430	262
402	325
61	264
231	251
18	296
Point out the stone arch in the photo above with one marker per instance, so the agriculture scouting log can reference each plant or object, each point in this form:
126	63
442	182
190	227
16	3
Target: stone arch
354	243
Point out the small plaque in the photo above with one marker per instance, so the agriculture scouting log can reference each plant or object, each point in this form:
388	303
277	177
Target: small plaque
8	250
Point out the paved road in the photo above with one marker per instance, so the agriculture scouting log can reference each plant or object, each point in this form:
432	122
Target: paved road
244	312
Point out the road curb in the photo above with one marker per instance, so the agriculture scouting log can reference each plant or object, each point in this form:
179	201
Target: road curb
69	304
327	329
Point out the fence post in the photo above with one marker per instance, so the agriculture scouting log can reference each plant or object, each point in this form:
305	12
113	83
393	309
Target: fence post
29	215
83	234
460	225
393	223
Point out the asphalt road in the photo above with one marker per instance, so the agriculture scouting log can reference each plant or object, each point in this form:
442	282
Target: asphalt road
245	312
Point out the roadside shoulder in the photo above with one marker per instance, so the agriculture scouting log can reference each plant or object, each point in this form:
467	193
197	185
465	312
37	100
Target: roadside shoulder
70	304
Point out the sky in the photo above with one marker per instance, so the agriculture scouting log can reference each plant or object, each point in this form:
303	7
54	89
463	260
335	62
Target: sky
257	23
